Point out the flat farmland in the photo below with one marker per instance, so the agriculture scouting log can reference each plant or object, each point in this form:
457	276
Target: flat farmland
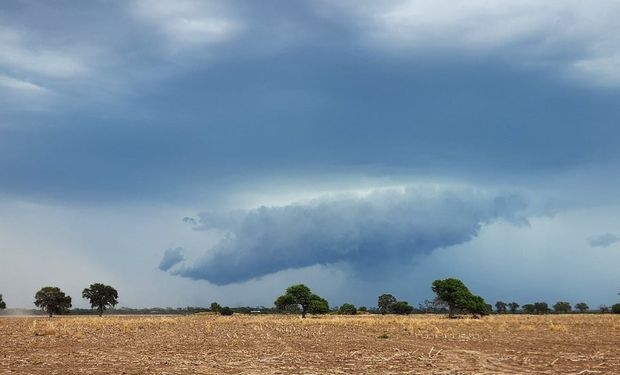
270	344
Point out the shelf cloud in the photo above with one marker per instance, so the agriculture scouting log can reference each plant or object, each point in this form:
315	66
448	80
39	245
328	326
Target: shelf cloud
383	227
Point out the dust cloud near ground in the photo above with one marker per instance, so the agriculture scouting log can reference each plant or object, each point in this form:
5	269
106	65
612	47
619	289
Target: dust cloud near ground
272	344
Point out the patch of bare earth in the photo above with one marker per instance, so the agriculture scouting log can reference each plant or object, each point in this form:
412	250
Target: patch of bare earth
418	344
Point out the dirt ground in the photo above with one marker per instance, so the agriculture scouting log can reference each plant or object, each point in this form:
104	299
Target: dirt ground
417	344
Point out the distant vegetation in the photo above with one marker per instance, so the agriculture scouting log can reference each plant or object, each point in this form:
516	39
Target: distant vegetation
562	307
582	307
347	309
452	298
388	304
227	311
215	307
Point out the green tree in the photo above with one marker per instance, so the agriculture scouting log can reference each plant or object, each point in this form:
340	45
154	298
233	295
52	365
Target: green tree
513	306
458	297
384	303
300	295
541	308
347	309
362	309
582	307
52	300
562	307
100	296
615	309
318	305
2	304
529	308
488	308
500	307
215	307
401	308
287	302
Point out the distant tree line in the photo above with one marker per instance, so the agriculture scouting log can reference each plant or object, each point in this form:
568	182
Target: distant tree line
452	298
560	307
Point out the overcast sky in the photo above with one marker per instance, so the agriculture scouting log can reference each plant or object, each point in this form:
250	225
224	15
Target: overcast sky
195	151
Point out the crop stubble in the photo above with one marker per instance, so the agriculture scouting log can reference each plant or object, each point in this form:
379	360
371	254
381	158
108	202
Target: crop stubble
272	344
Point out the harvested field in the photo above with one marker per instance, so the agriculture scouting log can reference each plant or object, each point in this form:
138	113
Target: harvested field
418	344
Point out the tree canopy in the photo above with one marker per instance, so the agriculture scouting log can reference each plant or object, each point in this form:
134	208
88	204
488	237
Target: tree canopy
582	307
500	306
318	305
513	306
300	296
401	308
562	307
347	309
458	297
528	308
385	302
52	300
215	307
100	296
541	308
2	303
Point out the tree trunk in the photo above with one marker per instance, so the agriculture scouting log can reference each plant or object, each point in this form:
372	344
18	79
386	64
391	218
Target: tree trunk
450	311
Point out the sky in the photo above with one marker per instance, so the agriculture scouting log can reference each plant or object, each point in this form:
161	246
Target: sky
187	152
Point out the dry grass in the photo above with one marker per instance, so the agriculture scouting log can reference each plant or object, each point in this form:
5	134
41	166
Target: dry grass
420	344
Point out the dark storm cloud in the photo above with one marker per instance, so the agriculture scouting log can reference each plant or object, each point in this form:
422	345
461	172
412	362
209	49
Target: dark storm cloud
603	240
171	258
384	227
155	108
189	105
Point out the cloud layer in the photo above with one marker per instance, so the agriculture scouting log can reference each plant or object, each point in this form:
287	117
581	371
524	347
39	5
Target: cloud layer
132	44
528	33
162	98
171	258
384	227
180	105
603	240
